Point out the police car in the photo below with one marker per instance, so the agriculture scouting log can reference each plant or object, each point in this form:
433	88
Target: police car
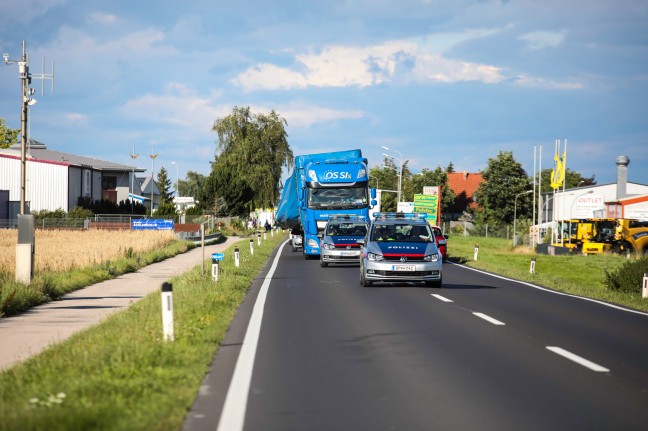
339	240
400	247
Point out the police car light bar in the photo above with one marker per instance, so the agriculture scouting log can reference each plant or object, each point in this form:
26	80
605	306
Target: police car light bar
382	215
345	217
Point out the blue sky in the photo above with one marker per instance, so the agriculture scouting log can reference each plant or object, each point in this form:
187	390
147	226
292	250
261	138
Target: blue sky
439	81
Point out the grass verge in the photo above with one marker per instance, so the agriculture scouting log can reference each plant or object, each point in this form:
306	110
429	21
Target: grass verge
574	274
120	374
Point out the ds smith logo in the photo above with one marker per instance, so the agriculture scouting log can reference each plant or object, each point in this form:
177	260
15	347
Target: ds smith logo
330	175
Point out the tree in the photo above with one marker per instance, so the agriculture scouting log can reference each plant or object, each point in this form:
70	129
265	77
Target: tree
438	177
572	180
193	185
253	152
504	179
164	186
8	136
450	169
385	177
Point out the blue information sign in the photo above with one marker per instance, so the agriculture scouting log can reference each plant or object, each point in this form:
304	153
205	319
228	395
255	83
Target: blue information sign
151	224
218	256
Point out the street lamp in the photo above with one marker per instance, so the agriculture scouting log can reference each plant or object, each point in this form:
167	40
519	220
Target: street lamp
571	211
133	156
400	171
152	156
515	213
177	180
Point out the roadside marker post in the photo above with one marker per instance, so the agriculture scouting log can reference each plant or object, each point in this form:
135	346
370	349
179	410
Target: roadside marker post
251	246
236	257
258	239
216	257
167	311
644	290
264	236
532	267
476	251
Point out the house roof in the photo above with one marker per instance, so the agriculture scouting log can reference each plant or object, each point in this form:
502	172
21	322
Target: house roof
39	152
465	184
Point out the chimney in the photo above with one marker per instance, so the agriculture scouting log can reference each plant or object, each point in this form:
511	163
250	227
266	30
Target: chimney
465	175
622	163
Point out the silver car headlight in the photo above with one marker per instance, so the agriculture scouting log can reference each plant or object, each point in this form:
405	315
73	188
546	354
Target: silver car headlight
434	257
312	243
328	246
375	256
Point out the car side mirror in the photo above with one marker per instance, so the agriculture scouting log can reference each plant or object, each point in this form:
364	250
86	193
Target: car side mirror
445	236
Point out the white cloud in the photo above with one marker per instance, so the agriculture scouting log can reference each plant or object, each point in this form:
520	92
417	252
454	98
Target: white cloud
103	18
26	10
304	115
345	66
530	81
543	39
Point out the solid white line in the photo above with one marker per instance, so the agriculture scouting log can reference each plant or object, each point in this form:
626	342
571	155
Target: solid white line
489	319
442	298
233	414
629	310
579	360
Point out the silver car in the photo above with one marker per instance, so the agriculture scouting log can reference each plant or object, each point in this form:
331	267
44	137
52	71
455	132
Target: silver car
400	247
339	240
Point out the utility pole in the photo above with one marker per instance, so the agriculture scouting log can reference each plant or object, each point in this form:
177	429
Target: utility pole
27	100
133	156
152	156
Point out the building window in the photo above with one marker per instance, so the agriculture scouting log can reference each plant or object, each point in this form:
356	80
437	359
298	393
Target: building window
108	183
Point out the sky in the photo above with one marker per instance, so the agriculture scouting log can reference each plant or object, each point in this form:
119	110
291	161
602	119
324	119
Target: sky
435	81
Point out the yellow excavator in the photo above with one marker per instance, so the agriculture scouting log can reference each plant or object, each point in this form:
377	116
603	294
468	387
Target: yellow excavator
595	236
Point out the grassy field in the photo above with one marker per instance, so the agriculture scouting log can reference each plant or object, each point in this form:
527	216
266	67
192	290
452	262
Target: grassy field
69	260
121	375
575	274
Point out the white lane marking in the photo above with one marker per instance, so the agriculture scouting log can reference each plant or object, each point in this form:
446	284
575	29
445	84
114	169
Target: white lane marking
442	298
579	360
233	414
629	310
489	319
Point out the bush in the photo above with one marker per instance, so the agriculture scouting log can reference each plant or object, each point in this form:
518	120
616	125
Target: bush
628	278
79	212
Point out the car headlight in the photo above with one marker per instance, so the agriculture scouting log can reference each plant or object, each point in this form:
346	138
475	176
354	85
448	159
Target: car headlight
312	243
375	256
328	246
434	257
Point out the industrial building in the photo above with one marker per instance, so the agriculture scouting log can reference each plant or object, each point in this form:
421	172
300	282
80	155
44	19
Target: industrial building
57	180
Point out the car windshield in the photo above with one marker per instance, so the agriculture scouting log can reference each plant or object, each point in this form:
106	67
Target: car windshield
347	229
401	233
337	198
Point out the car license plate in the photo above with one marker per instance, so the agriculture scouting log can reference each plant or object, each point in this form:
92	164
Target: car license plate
403	268
349	253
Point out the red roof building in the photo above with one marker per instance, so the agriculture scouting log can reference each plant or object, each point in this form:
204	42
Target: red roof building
464	185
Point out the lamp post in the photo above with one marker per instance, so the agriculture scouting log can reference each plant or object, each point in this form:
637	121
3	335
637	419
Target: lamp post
133	156
571	211
400	171
515	213
177	181
152	156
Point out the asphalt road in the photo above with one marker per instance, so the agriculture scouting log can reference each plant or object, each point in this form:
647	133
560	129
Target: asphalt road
480	353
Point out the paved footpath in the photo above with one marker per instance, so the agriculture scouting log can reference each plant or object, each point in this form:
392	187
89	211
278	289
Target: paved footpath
29	333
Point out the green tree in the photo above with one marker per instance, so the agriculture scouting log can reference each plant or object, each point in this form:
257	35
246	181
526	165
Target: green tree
253	152
450	169
504	179
438	177
573	179
164	186
193	185
8	136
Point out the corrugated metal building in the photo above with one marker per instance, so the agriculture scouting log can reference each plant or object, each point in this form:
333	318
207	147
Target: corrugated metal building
56	180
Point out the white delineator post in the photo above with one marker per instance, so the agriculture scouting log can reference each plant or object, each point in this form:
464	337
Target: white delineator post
476	251
236	257
644	290
251	246
214	269
532	267
167	311
258	239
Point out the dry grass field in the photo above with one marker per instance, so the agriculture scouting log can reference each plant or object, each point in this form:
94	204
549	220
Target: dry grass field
63	250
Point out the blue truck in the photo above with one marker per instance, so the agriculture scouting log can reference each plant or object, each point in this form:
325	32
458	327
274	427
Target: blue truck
321	186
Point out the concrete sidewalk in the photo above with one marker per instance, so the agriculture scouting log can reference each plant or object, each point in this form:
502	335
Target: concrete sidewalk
30	333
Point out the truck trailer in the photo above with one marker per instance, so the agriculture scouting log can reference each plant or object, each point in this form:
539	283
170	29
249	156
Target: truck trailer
321	186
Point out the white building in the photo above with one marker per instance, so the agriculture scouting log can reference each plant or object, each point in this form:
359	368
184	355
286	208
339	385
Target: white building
57	180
